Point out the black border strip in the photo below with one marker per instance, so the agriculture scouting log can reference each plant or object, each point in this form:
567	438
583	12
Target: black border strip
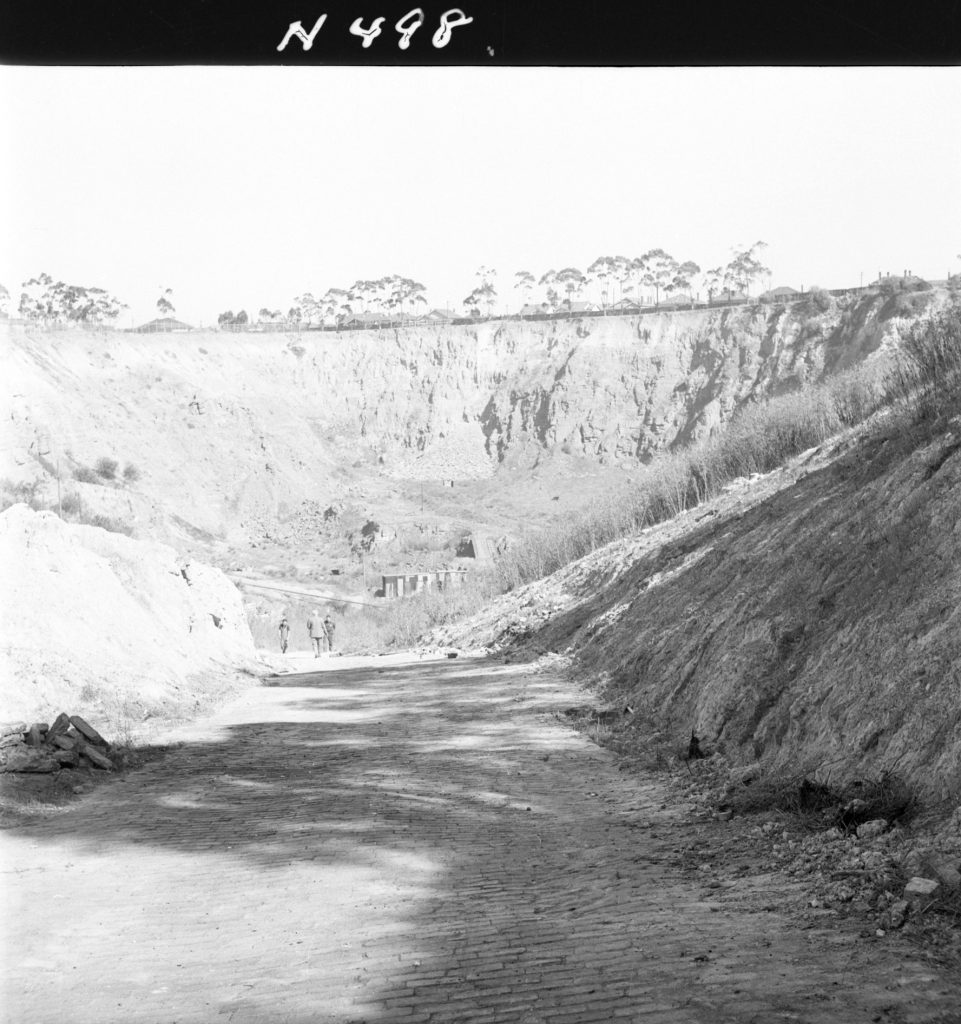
519	32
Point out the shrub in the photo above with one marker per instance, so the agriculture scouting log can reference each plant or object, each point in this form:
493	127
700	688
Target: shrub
107	523
819	300
106	468
71	505
926	379
22	493
85	475
130	473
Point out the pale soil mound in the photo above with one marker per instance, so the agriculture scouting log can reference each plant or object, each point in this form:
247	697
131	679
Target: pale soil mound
818	626
95	621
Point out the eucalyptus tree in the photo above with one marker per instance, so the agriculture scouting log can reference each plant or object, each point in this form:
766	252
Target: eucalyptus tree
309	306
573	282
746	266
623	271
640	274
359	292
414	292
486	275
713	282
525	281
334	301
487	287
547	282
165	305
659	269
602	270
684	274
473	302
56	302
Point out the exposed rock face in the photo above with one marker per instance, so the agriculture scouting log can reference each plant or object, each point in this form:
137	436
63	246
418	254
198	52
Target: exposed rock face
227	429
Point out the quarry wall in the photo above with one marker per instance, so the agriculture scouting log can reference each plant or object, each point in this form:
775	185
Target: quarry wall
228	427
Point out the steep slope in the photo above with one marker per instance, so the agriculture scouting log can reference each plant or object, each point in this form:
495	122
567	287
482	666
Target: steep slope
234	434
811	618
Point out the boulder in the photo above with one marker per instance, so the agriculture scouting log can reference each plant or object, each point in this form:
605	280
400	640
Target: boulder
94	756
744	775
65	742
88	732
919	886
872	829
27	759
945	870
9	750
896	914
61	725
35	734
11	740
67	758
12	729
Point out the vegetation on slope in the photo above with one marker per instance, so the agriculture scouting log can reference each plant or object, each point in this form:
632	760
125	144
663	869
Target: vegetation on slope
818	630
924	382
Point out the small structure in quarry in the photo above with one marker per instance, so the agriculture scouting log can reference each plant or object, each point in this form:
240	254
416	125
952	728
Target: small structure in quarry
405	583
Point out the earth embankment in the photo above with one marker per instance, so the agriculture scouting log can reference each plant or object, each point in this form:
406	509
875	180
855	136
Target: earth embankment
810	619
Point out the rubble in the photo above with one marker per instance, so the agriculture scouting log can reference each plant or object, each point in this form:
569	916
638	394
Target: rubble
71	742
918	886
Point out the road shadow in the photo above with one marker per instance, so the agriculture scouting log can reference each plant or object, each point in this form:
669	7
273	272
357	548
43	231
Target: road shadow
433	840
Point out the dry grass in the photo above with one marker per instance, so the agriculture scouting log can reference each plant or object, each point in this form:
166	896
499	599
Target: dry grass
399	624
821	805
926	379
761	437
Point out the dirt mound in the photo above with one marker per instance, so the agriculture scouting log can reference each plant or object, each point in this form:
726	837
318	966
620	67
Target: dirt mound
94	620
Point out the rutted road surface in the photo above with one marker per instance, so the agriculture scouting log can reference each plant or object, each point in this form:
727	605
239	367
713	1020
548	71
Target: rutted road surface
410	843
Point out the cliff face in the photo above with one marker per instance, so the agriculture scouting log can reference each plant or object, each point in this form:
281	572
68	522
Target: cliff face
229	430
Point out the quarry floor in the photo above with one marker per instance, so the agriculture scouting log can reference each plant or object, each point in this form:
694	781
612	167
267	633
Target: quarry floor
381	840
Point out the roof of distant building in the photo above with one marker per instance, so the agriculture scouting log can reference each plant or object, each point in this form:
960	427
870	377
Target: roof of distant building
164	323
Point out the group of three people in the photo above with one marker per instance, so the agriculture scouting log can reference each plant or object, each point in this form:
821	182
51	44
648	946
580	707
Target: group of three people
321	633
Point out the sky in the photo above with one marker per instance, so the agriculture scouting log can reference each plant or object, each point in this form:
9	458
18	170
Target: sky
243	187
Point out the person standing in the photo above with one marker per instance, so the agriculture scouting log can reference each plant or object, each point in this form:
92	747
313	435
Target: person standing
284	631
329	627
318	634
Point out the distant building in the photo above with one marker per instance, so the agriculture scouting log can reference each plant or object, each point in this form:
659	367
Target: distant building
578	307
365	320
441	316
162	325
482	546
785	293
532	310
403	584
681	299
625	305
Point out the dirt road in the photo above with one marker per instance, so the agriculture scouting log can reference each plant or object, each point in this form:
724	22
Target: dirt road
412	843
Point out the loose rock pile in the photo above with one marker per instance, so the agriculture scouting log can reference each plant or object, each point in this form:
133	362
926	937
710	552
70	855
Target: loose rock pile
71	742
